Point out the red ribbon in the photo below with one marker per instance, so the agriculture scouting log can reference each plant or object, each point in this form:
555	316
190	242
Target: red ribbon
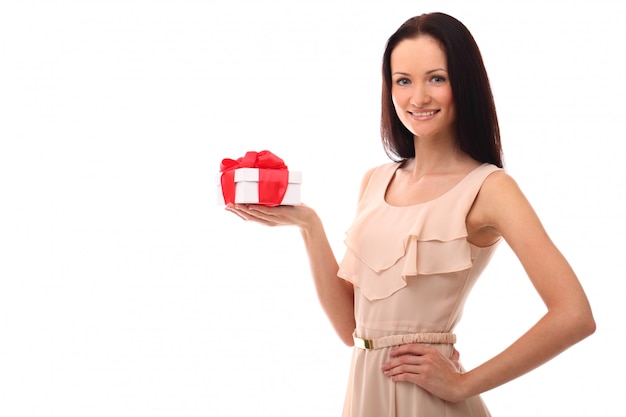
273	176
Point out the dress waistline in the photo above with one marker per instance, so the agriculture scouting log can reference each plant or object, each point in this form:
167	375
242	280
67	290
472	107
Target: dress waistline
404	339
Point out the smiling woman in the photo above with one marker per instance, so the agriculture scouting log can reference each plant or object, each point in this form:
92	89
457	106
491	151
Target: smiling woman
448	58
426	227
421	92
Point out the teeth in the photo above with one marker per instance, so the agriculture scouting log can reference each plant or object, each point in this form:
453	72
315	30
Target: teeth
423	114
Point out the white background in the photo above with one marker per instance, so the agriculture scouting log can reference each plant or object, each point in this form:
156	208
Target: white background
126	291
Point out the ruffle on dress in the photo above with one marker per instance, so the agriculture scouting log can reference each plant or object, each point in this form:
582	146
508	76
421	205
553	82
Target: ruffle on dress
382	252
379	263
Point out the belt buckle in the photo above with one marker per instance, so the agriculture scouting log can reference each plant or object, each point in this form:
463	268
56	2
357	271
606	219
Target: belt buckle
367	344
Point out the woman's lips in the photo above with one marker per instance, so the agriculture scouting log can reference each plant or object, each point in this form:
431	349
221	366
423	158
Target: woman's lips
424	114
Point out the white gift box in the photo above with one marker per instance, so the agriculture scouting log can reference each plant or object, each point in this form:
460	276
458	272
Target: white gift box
247	187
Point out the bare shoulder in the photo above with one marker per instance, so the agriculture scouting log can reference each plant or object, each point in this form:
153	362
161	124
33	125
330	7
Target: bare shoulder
498	204
501	208
500	192
498	185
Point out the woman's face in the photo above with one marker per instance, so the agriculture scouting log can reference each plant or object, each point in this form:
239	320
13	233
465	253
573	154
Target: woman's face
420	87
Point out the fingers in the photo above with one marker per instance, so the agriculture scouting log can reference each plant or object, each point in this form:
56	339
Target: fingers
252	213
412	349
299	215
417	359
407	368
404	364
405	359
232	209
427	368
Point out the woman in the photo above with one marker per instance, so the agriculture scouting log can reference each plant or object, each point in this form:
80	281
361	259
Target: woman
426	227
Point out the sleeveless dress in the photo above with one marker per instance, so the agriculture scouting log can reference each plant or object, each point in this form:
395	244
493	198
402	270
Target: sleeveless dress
412	269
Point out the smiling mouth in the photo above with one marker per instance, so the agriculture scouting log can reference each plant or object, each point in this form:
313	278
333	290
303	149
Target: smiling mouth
424	113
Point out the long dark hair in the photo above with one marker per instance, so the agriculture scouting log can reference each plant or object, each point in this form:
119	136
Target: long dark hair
477	130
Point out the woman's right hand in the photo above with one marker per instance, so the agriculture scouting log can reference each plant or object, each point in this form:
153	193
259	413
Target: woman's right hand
301	215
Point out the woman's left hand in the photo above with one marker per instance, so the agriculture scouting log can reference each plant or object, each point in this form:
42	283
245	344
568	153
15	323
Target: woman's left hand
427	368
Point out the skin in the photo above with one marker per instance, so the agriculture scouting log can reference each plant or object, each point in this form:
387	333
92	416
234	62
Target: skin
424	102
421	92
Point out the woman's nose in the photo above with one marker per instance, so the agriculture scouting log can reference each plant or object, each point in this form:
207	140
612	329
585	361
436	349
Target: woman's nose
419	96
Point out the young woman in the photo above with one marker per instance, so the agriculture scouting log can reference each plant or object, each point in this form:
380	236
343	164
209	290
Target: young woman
426	226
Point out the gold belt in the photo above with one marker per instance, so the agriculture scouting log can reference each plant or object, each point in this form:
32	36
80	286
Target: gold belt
404	339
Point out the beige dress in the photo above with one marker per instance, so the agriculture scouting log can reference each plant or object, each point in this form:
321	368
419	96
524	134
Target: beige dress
412	269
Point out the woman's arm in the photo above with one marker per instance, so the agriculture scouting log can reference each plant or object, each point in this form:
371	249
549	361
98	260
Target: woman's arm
501	209
336	295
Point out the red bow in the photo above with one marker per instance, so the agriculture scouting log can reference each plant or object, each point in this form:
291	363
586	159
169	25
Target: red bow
273	176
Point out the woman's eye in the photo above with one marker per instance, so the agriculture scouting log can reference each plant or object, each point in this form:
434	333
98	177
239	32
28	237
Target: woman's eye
403	81
438	79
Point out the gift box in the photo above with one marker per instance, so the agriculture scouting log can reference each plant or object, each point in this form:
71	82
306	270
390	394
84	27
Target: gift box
258	178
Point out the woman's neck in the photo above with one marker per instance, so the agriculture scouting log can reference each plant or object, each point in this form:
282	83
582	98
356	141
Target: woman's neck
438	155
